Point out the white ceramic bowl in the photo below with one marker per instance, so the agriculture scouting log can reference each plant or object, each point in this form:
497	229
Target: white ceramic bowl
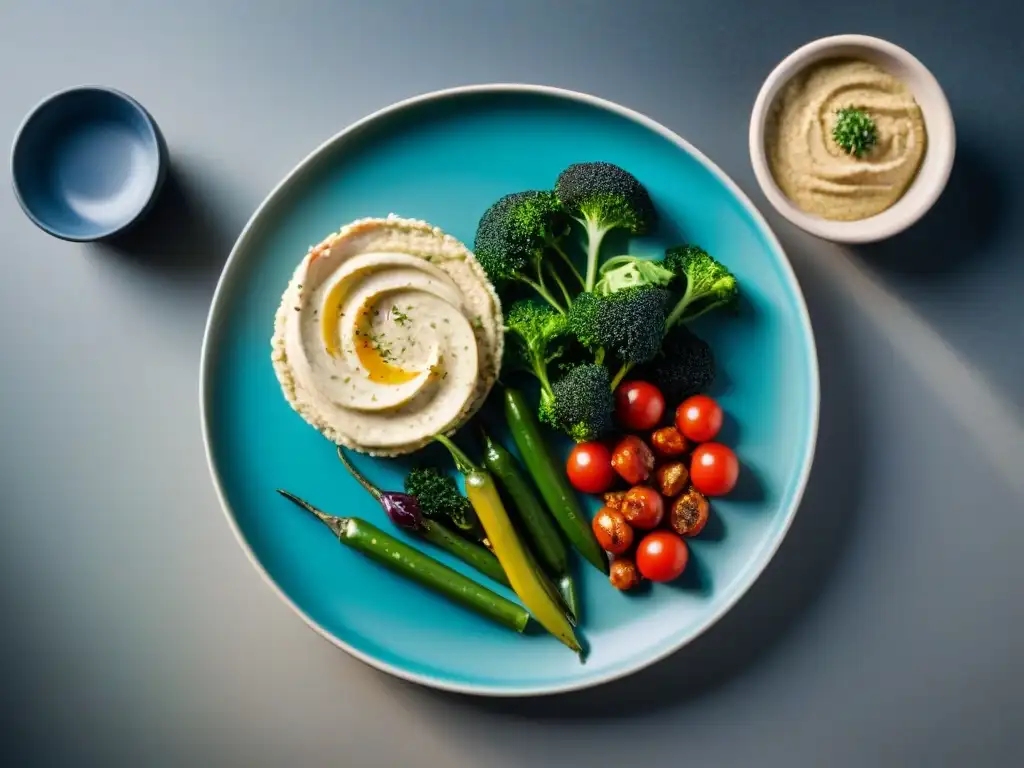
935	167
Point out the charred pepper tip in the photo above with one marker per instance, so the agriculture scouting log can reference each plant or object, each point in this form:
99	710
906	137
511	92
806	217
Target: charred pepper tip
336	524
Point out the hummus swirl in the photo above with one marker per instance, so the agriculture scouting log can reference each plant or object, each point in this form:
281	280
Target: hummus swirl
387	334
813	171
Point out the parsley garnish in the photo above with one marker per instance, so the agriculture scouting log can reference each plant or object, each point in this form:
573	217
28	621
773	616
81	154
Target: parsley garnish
400	317
382	347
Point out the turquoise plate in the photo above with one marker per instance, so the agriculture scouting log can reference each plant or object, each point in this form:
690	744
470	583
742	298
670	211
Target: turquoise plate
445	157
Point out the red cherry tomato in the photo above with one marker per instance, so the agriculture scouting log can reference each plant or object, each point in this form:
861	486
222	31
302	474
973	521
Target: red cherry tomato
643	507
714	469
623	574
590	468
633	460
662	556
638	405
612	531
699	418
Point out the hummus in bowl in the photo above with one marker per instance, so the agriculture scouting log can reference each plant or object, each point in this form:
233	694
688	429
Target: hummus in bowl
387	334
819	175
806	119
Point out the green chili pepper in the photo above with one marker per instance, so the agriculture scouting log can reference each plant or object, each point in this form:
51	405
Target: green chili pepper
540	528
528	581
551	480
406	561
475	555
404	511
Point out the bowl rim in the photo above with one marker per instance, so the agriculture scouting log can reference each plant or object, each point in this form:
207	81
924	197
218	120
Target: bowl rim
211	338
862	230
154	134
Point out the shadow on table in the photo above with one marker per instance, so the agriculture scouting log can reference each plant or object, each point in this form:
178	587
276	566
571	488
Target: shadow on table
961	224
790	585
180	239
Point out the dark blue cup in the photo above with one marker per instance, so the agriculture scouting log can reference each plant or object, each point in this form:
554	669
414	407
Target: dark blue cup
88	163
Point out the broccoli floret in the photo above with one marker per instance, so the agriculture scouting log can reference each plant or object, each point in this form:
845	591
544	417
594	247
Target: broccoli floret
573	354
538	334
441	500
513	235
580	402
513	232
582	405
684	367
629	271
603	197
709	284
628	323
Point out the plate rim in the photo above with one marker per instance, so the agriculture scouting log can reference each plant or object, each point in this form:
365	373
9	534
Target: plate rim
747	577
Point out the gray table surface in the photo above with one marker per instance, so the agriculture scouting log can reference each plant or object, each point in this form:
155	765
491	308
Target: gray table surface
889	630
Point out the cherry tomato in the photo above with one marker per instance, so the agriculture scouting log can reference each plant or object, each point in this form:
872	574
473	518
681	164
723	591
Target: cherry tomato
623	574
633	460
689	513
612	531
613	499
590	468
662	556
671	478
699	418
638	405
643	507
668	442
714	469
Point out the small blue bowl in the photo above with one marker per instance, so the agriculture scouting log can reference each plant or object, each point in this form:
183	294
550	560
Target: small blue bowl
87	163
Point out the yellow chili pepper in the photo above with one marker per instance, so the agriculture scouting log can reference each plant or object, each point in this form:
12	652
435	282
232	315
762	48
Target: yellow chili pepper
523	573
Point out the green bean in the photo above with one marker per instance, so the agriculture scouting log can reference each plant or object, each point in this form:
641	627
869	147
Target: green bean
404	511
528	580
550	479
406	561
475	555
541	530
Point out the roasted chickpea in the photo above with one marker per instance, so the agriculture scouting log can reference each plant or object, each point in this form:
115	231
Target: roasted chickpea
643	507
633	460
612	531
613	499
689	513
624	574
672	478
668	442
